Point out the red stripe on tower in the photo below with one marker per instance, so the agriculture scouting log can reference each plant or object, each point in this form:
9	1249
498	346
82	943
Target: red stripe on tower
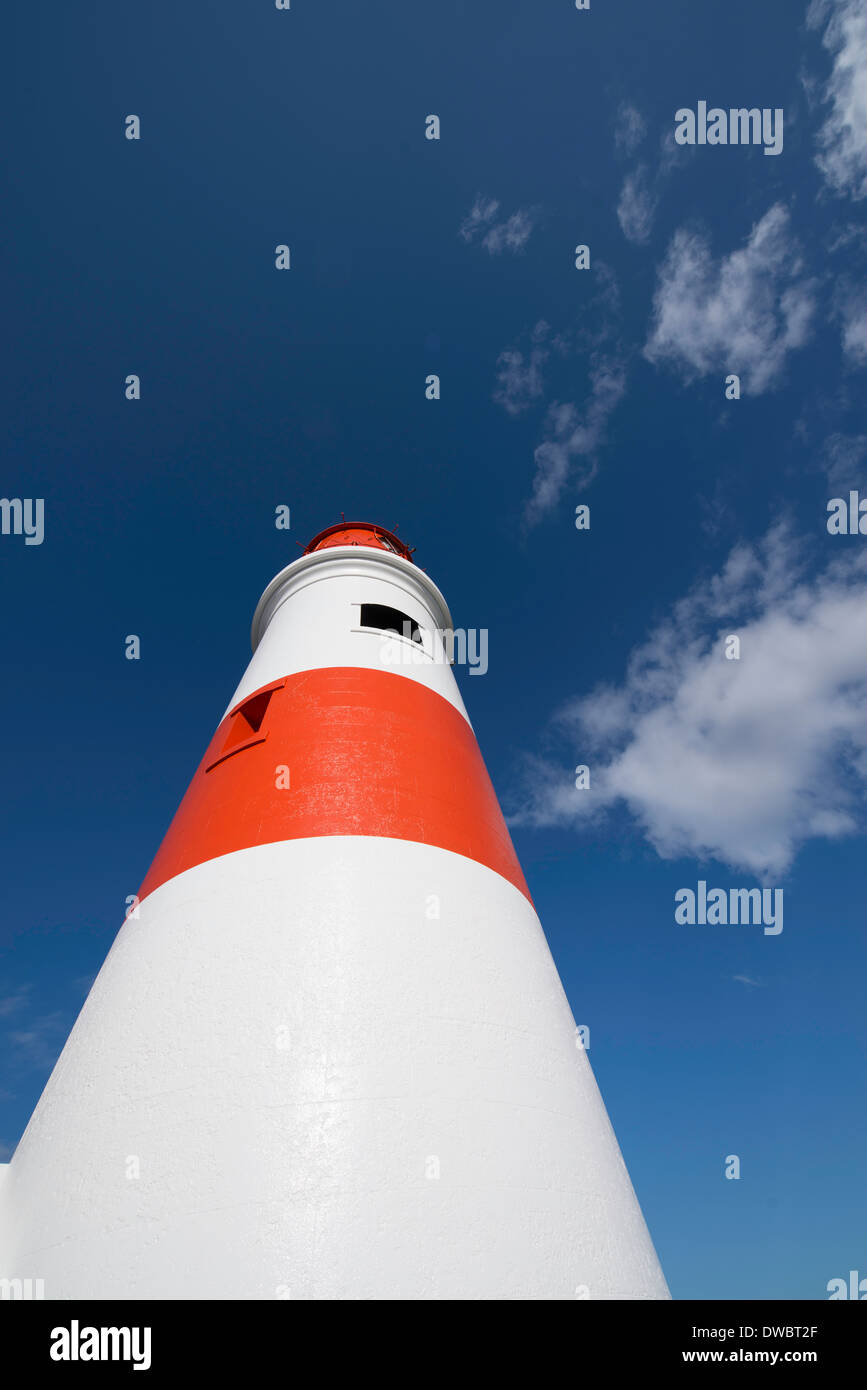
363	752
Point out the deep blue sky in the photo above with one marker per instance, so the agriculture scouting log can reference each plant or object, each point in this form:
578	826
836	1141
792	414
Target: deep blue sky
307	388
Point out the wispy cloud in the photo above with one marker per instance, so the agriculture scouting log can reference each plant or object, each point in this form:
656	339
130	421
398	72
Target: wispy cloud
573	432
745	980
743	313
520	374
510	234
629	129
39	1044
850	235
853	312
642	189
637	205
573	436
483	211
741	760
842	139
844	458
11	1003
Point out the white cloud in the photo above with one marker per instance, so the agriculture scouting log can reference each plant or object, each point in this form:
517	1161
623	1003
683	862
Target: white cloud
519	378
741	761
483	211
636	206
509	235
572	434
844	458
854	315
642	188
672	155
843	137
629	130
641	191
741	314
845	237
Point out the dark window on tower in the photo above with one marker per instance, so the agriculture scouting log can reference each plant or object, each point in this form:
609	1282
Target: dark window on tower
245	726
389	620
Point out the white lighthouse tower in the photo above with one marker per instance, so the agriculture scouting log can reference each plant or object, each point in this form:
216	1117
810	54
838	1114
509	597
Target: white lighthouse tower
329	1055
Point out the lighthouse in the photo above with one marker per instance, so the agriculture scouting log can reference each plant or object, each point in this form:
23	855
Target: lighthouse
328	1055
